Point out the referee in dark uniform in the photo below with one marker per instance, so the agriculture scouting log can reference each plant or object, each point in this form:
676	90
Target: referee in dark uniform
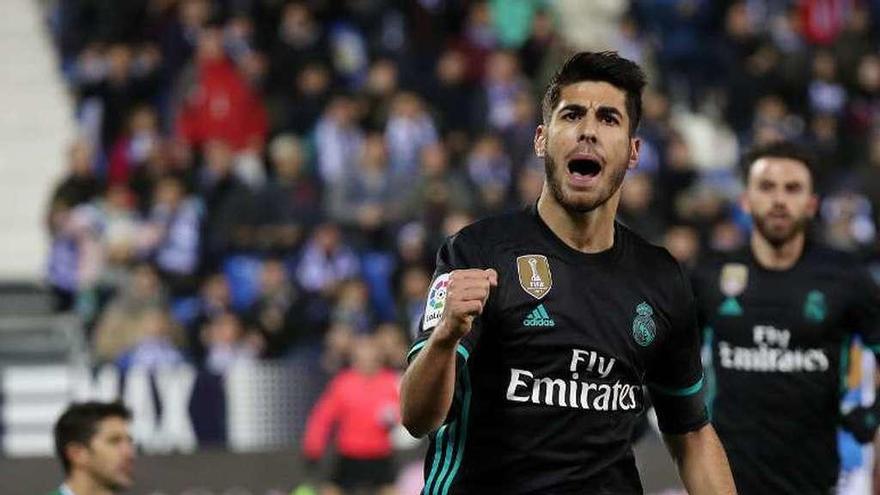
543	328
779	317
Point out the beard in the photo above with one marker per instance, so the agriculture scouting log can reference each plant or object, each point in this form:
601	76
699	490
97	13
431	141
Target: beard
582	205
779	236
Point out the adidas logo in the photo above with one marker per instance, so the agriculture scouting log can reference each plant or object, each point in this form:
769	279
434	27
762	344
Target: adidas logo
539	318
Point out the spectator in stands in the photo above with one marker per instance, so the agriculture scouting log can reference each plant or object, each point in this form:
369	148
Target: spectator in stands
219	103
291	201
227	343
337	138
379	91
414	281
119	327
135	146
363	402
452	95
352	306
502	83
300	40
80	184
171	236
490	170
131	77
93	442
281	312
409	130
298	109
62	264
358	202
157	345
326	261
227	202
437	190
637	207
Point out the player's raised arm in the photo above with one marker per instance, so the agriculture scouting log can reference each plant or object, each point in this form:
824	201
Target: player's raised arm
429	382
702	463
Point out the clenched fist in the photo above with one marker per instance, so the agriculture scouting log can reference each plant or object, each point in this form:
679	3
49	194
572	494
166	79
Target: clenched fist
466	295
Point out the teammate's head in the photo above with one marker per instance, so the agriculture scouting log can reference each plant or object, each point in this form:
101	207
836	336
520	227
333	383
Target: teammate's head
92	439
591	110
779	192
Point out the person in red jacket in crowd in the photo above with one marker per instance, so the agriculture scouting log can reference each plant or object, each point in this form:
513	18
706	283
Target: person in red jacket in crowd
220	104
363	402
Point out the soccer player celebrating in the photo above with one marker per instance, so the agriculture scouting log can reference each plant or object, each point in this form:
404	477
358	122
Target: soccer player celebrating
542	327
778	318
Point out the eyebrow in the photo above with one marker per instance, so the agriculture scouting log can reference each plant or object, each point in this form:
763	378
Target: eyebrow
601	109
604	109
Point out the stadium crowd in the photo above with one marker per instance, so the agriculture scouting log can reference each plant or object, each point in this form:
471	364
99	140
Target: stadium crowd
266	179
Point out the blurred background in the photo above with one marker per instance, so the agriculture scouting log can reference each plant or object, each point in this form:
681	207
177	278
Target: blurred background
206	205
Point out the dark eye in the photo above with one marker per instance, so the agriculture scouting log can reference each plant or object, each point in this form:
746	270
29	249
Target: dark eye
570	116
609	119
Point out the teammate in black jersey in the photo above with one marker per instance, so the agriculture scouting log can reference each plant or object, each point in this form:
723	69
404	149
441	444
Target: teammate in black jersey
542	327
778	317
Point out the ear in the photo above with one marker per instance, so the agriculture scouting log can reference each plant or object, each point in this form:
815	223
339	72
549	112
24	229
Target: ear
744	202
813	205
77	454
635	144
540	141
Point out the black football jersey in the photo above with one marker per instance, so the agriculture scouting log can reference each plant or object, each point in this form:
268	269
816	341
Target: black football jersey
779	342
551	379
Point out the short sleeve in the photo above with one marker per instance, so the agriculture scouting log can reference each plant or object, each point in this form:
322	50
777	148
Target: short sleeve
675	380
458	252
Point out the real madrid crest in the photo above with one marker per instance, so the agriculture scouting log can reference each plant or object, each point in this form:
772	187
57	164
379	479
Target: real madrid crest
734	279
643	327
534	274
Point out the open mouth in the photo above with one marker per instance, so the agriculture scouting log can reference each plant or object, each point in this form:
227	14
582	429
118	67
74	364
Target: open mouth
584	167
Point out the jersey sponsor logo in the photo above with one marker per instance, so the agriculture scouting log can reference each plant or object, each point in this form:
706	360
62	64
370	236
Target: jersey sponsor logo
643	327
592	392
771	353
539	318
436	301
815	307
534	274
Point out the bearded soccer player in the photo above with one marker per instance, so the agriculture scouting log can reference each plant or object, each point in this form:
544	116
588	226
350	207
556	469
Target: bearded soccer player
542	326
778	318
94	445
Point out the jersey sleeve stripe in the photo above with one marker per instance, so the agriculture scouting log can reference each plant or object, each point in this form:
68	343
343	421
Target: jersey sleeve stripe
461	349
465	410
415	349
678	392
438	443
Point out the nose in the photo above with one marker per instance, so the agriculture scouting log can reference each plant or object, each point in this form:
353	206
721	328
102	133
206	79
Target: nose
587	131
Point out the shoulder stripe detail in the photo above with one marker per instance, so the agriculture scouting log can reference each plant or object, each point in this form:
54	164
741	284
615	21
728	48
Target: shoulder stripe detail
678	392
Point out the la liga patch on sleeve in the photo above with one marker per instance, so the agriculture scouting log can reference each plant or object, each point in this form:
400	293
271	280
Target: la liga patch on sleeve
436	301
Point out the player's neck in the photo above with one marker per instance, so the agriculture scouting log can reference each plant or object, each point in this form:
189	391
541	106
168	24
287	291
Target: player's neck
590	232
781	257
82	484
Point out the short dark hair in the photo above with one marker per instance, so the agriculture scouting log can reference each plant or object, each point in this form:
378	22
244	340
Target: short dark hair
780	149
79	423
606	66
